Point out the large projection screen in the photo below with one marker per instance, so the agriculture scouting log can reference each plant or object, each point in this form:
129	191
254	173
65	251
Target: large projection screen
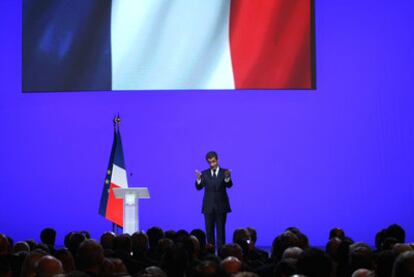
82	45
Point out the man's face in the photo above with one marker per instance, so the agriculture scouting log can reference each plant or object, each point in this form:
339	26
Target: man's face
213	162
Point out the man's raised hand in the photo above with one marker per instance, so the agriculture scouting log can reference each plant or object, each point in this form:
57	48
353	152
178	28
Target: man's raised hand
198	174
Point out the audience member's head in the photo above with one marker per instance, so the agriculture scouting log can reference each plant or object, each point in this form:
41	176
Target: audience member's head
90	256
384	263
31	262
139	242
48	236
397	232
303	241
241	234
313	262
230	265
107	240
360	256
253	236
399	248
336	233
163	245
362	272
5	266
192	246
332	248
123	243
175	261
292	253
231	250
388	243
286	267
152	271
86	234
246	274
4	245
21	246
67	260
404	265
75	240
170	234
207	269
48	266
201	236
180	236
154	235
119	266
32	244
379	239
282	242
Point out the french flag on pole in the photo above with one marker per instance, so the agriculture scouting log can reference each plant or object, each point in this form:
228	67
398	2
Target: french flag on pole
116	177
167	44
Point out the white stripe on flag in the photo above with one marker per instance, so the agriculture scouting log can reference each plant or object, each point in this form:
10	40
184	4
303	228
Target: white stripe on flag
164	44
119	176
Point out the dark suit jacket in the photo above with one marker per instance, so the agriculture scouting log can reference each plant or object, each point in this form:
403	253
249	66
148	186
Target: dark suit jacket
215	194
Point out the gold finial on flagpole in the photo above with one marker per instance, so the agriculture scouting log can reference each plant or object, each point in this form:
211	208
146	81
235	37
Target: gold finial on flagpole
117	121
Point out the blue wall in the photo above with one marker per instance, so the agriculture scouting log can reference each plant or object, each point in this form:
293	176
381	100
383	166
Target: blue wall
341	155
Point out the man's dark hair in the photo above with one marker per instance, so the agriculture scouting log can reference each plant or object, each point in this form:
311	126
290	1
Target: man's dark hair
90	255
397	232
201	236
253	234
379	239
211	154
175	262
48	236
286	267
336	232
283	242
154	235
314	262
180	236
5	266
107	240
123	243
75	239
170	234
207	269
404	265
384	263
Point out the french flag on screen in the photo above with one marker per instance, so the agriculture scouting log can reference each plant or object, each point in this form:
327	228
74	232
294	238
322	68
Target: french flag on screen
110	207
167	44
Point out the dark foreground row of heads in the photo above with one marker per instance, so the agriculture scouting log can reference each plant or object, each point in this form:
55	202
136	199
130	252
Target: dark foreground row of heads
159	253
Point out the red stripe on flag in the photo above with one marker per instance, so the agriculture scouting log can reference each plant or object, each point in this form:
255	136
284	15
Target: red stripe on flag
115	209
271	44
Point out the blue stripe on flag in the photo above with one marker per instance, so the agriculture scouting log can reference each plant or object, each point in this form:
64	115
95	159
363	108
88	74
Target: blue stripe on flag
66	45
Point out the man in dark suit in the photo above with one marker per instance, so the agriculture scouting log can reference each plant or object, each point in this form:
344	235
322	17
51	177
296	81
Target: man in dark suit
215	182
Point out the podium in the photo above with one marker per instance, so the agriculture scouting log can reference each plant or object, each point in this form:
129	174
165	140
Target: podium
131	198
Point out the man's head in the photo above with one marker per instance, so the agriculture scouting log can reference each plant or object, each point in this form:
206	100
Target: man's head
90	256
48	266
230	265
48	236
4	245
404	265
212	159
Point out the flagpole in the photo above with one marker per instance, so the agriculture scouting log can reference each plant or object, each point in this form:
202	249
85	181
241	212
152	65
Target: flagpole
117	122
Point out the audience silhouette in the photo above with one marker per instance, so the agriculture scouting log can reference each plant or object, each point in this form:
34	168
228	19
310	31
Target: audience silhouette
159	253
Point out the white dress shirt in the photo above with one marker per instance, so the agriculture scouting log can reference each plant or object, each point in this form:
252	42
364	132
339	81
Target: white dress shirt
214	172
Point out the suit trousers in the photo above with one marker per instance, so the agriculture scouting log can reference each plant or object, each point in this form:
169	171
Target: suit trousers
216	220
